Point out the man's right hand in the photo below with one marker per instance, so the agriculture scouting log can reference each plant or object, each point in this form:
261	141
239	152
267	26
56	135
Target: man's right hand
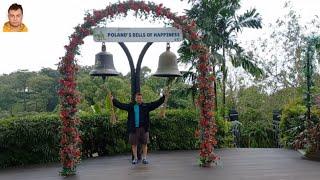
166	93
111	97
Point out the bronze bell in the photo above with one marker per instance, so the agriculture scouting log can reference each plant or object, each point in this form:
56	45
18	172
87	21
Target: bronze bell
167	65
104	64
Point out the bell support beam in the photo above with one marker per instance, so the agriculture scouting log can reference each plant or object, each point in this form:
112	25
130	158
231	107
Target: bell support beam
135	72
132	70
138	68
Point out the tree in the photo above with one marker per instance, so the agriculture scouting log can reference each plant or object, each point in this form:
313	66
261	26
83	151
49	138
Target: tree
53	88
42	89
311	53
20	85
145	73
254	113
279	52
218	21
7	98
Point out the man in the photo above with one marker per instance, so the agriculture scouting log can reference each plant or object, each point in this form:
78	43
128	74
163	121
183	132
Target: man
15	15
138	123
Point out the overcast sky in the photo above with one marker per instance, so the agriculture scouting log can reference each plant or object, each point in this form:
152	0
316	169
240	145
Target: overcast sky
50	22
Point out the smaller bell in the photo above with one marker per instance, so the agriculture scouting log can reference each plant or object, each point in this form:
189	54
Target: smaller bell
167	65
104	64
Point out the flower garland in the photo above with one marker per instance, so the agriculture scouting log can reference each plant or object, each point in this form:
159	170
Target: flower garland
208	127
70	137
310	137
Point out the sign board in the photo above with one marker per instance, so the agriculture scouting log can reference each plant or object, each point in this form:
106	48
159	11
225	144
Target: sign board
108	34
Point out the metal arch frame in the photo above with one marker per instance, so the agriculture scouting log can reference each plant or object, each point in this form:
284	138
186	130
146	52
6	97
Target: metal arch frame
135	71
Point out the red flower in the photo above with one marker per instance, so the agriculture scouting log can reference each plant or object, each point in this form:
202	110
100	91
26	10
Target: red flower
202	67
193	24
193	36
68	164
63	140
98	14
133	6
77	139
202	97
146	9
159	10
204	122
64	113
195	47
77	153
169	15
121	8
109	11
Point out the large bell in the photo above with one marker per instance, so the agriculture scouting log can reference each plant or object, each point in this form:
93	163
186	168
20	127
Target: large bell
167	65
104	64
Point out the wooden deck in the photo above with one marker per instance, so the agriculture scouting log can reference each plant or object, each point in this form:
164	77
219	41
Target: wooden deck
236	164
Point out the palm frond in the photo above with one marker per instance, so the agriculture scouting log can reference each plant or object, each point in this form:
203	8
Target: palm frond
216	58
250	19
245	62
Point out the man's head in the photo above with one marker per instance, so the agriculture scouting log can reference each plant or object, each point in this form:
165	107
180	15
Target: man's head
15	14
139	98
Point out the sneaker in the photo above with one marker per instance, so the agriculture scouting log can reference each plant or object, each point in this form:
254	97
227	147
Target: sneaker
134	161
145	161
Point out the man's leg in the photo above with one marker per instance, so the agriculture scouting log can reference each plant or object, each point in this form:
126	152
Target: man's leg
144	151
144	154
145	147
134	152
139	151
133	141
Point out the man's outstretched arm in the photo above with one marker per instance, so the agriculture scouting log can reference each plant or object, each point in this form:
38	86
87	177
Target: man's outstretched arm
119	105
153	105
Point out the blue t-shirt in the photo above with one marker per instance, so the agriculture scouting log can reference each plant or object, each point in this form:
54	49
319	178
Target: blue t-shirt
136	115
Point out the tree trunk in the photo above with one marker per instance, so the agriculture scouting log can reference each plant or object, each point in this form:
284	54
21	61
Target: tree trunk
24	100
215	89
11	111
224	78
163	108
165	103
113	118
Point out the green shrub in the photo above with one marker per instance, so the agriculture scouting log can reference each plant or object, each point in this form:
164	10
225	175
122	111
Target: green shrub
257	134
29	140
35	139
224	135
99	136
292	122
174	132
256	129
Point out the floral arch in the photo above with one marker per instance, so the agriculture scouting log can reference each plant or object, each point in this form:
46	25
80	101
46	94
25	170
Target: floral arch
70	141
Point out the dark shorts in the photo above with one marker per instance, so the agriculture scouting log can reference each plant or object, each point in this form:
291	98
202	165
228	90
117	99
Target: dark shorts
139	137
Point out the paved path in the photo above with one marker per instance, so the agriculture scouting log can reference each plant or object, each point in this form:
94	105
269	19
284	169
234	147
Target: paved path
236	164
